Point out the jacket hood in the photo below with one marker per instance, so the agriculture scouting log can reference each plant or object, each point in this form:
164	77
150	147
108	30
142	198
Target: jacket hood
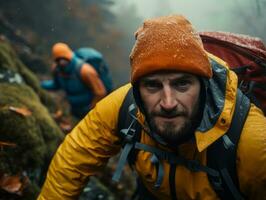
218	108
61	50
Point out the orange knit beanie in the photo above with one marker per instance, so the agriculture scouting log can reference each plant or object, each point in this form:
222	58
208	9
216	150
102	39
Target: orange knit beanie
62	50
168	43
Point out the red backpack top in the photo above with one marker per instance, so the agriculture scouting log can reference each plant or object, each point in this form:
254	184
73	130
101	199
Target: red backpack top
246	56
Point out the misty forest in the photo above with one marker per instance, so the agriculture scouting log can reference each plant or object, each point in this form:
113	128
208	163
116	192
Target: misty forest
34	121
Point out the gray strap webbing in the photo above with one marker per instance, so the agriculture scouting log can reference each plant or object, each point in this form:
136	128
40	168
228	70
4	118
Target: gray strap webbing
172	158
160	172
122	161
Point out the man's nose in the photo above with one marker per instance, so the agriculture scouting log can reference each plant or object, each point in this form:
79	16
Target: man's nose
168	99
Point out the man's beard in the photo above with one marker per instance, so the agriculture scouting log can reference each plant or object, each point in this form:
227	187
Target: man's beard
171	132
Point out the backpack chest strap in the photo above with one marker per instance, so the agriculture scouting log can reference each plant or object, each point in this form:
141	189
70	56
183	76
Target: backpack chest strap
159	155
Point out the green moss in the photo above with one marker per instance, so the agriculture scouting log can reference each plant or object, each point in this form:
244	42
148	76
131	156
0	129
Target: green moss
9	60
36	136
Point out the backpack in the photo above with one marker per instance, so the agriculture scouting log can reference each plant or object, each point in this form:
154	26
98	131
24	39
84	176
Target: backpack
246	56
221	170
95	58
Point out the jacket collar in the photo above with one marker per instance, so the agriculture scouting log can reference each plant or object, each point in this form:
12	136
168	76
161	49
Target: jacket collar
219	106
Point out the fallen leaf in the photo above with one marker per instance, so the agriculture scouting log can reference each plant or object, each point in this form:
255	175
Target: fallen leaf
2	144
14	184
23	111
11	184
58	114
65	126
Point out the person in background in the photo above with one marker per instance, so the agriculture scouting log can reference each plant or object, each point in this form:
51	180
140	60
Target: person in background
186	100
79	79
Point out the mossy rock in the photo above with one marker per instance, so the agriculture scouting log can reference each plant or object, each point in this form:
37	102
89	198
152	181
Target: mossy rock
35	135
10	61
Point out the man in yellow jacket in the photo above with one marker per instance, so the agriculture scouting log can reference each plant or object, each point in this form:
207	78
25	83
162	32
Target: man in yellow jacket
186	101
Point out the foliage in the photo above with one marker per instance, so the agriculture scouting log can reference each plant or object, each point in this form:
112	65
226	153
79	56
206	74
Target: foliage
78	23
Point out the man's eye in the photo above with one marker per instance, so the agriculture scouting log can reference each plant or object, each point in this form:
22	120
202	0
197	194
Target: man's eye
182	84
152	85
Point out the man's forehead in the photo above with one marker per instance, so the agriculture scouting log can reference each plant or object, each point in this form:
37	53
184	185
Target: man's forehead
168	75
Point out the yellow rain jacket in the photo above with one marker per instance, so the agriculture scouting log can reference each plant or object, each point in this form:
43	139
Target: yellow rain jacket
86	150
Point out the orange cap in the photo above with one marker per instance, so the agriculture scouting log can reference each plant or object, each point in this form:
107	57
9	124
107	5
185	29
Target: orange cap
168	43
62	50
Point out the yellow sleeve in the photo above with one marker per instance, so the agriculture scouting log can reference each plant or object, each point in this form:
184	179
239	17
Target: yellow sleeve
85	151
251	156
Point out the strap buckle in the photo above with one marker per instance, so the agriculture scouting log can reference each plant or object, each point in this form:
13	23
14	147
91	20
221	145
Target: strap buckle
129	132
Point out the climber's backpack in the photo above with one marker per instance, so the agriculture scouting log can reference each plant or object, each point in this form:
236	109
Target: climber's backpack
221	169
95	58
246	56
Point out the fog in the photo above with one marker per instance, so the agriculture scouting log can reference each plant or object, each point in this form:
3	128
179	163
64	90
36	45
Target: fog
239	16
109	25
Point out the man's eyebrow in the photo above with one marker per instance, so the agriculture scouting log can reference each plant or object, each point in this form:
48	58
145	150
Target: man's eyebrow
148	79
183	76
178	77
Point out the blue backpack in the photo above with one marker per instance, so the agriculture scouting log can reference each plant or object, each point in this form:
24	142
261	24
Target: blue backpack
95	58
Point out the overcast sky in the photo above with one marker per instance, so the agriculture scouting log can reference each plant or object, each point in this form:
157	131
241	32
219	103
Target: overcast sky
218	15
198	11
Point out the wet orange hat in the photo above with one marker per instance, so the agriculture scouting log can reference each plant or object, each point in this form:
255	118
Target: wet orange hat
168	43
62	50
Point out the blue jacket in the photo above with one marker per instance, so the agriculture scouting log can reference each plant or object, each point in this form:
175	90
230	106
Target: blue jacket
69	79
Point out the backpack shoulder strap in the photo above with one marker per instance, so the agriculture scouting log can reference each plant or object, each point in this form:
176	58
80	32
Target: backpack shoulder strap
78	65
124	119
222	154
129	131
